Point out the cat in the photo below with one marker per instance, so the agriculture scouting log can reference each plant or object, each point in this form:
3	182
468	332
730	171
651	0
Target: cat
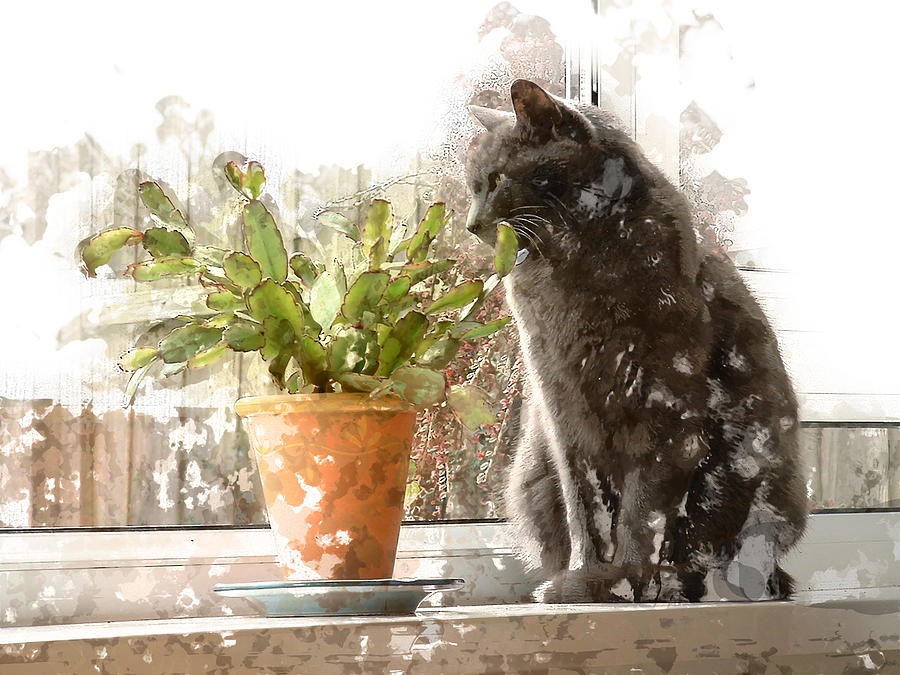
658	453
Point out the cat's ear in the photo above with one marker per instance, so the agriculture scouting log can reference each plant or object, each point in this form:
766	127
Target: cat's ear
489	118
542	117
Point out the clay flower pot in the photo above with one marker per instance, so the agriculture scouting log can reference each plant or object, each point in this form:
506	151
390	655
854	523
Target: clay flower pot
333	469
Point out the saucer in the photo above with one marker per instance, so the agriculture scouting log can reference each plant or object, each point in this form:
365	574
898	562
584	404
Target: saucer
333	597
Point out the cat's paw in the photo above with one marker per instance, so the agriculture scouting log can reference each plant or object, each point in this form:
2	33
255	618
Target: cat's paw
589	584
665	587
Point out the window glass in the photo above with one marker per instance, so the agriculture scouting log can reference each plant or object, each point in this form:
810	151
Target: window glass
341	112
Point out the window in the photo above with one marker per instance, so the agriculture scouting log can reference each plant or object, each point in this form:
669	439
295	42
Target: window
70	456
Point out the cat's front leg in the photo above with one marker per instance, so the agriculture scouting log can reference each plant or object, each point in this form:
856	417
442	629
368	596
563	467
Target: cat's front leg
534	502
638	535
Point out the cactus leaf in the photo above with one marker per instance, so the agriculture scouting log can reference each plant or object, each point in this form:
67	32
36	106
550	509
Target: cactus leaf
402	341
244	337
419	386
161	242
457	297
342	224
162	268
242	270
472	405
264	241
97	250
325	300
365	293
182	343
489	328
137	358
163	210
506	249
270	299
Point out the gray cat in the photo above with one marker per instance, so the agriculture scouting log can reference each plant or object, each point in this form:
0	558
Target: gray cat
658	454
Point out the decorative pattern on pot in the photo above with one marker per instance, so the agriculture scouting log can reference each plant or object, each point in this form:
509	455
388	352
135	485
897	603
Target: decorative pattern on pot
333	469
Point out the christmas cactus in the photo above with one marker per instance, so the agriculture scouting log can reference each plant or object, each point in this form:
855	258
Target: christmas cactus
381	316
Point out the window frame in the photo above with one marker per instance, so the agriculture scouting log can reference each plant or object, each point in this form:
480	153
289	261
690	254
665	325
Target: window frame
52	550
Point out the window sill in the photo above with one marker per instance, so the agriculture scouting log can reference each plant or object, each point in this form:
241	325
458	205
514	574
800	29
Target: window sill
836	630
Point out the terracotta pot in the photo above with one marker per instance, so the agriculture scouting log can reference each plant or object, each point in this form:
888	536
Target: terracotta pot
333	469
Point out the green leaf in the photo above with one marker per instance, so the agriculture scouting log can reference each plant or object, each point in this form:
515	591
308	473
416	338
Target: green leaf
365	293
312	359
135	379
422	270
325	300
294	382
435	217
437	332
398	288
97	250
377	254
242	270
401	342
224	301
378	220
305	269
469	312
487	329
278	367
137	358
220	320
440	353
254	180
162	268
163	209
209	255
353	350
397	242
250	184
505	250
211	279
279	336
207	357
377	232
244	337
161	242
359	382
419	386
235	176
182	343
336	221
270	299
457	297
170	369
472	405
264	241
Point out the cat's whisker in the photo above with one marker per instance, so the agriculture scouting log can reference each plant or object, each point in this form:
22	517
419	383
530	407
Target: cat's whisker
531	218
565	208
531	215
524	231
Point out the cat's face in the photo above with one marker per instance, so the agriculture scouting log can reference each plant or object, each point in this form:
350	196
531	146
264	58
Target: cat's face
549	170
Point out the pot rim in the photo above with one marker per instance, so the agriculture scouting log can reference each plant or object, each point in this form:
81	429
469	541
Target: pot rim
353	402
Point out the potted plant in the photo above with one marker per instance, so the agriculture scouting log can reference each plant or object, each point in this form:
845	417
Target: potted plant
358	342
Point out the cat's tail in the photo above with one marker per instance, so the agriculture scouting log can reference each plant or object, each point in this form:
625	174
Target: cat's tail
781	585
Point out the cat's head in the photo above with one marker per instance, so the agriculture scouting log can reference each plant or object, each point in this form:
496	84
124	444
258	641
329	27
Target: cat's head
552	171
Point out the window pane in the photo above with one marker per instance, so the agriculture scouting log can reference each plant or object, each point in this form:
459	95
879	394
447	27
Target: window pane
338	122
387	122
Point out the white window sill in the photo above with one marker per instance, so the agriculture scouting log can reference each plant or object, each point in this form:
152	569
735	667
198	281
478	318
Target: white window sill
117	593
818	632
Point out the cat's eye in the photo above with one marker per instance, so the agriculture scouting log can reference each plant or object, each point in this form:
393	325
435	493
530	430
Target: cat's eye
494	180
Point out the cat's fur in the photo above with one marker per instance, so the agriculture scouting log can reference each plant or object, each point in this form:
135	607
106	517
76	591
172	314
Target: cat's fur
658	451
